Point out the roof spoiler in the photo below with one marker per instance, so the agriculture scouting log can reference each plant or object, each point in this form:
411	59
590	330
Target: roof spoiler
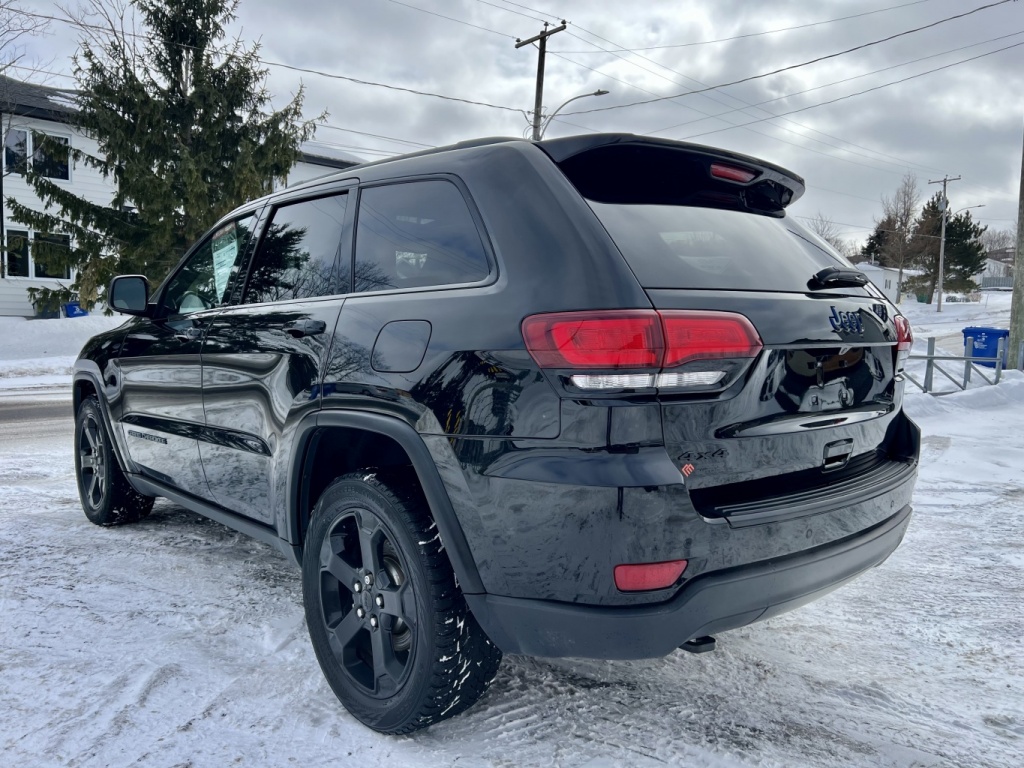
672	172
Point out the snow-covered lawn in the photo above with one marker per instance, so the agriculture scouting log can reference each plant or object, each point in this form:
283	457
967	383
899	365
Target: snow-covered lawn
179	642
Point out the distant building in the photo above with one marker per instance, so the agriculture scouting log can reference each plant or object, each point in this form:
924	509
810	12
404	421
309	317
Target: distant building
999	262
28	114
886	279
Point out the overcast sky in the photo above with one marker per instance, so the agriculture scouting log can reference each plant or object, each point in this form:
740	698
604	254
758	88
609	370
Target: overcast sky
966	119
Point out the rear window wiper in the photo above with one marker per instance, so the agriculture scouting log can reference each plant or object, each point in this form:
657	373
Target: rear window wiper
837	277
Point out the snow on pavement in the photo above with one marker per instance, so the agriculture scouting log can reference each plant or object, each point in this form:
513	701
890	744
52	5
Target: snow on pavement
179	642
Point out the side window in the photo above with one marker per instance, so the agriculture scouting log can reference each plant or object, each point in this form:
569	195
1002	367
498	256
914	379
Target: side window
299	254
51	156
414	234
204	281
16	151
17	253
55	247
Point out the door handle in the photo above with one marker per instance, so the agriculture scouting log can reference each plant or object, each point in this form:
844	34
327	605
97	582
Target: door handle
189	334
298	329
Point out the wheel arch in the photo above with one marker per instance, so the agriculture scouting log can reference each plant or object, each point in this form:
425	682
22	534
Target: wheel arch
88	381
382	441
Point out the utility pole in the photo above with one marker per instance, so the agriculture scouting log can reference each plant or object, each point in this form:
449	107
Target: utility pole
942	242
541	41
1017	303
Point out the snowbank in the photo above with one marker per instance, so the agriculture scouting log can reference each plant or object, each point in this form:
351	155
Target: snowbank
35	348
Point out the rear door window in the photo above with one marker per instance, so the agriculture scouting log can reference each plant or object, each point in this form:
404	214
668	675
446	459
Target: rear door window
416	234
678	246
300	253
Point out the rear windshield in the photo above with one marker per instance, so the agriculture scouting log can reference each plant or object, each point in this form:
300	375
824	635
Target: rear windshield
675	246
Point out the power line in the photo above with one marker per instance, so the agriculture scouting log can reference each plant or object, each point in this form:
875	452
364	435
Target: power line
759	34
715	98
330	126
796	66
858	93
760	104
449	18
306	70
377	136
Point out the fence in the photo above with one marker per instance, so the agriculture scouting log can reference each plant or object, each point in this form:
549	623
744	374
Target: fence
970	367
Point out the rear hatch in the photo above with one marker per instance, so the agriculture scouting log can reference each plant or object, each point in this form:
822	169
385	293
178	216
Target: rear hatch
807	417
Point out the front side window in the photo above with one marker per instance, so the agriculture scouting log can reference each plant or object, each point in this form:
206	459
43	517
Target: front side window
416	234
17	253
16	151
204	281
299	256
49	256
51	156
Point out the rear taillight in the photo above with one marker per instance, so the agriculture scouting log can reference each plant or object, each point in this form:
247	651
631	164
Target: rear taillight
707	336
904	340
618	339
657	345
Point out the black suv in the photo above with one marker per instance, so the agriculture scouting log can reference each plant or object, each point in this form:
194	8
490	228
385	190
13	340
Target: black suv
595	396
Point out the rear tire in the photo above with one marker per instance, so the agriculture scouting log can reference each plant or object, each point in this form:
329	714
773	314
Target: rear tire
107	498
389	626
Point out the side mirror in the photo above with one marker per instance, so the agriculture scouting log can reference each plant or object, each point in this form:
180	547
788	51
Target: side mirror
129	295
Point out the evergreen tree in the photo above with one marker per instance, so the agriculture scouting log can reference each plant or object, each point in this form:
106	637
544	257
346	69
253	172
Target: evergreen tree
185	131
964	253
876	249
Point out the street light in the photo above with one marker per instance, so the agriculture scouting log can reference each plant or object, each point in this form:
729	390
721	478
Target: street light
942	243
544	127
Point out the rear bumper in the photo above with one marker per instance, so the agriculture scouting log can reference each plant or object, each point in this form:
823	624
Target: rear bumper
711	603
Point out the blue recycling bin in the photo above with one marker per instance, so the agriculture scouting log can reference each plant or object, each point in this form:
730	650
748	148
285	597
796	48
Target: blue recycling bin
72	309
986	344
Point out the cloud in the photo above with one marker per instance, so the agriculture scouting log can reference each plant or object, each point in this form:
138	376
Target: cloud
964	120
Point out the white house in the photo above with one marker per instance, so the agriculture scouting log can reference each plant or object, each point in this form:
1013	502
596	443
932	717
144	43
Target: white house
886	279
28	113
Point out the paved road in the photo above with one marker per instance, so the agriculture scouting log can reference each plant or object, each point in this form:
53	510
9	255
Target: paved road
22	410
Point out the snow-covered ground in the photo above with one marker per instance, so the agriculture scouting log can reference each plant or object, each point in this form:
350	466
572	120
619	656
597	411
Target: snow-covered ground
178	642
39	353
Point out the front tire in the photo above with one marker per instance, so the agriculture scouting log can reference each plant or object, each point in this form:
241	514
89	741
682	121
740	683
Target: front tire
107	498
389	626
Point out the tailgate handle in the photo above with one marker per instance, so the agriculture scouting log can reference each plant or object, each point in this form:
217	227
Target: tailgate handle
837	454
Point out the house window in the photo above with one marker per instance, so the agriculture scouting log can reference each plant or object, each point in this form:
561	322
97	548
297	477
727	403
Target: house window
51	156
47	248
17	253
16	151
34	256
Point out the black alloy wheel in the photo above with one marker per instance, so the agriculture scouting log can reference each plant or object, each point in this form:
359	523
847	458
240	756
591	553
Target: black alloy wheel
389	626
367	603
107	498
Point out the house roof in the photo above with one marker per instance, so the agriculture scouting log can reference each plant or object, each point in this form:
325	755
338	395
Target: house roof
327	155
41	101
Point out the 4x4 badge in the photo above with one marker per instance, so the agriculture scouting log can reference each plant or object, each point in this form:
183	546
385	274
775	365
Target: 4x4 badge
848	322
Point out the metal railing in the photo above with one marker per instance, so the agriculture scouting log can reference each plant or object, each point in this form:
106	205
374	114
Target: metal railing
970	363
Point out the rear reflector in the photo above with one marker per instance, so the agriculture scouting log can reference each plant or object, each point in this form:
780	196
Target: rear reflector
732	173
642	338
641	577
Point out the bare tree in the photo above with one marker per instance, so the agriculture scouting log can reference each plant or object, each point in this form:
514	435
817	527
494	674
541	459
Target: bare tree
997	239
16	25
901	211
828	230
